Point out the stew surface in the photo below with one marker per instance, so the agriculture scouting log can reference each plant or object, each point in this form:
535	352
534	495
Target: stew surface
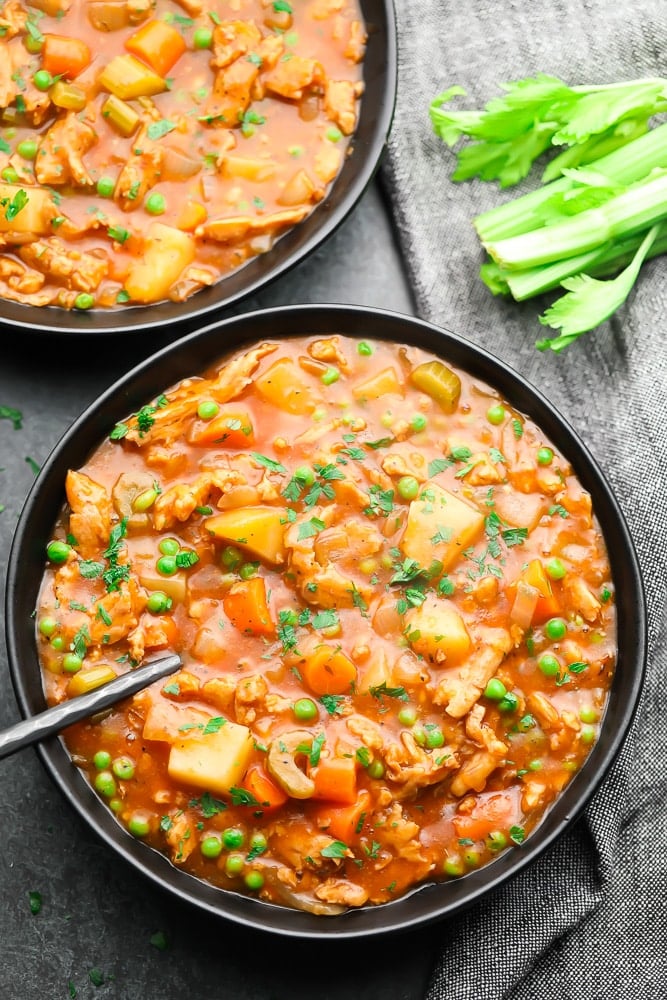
149	147
393	605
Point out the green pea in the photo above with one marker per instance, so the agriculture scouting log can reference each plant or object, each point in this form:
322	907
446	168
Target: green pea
258	842
495	414
102	760
364	349
304	710
169	546
376	769
139	825
407	487
155	204
588	714
33	45
535	765
105	784
166	565
555	568
330	376
207	409
27	149
472	857
587	735
254	881
9	175
545	456
434	737
42	79
233	837
495	689
248	570
334	134
549	665
72	663
304	475
496	840
106	187
234	864
556	628
418	422
58	643
211	847
453	866
202	38
231	557
408	715
58	552
144	501
158	602
509	703
116	805
123	767
84	300
47	626
419	735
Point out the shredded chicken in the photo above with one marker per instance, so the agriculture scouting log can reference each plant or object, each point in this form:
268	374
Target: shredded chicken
75	268
179	502
60	153
461	687
90	520
338	890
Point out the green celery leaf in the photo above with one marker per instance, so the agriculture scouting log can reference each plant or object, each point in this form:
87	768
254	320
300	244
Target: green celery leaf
590	302
598	108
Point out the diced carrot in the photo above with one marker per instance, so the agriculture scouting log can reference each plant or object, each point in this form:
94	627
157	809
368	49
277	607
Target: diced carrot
161	632
64	56
158	44
246	607
232	429
335	779
328	671
495	811
192	215
344	822
534	576
267	792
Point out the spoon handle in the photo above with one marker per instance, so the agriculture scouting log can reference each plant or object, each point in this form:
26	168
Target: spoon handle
53	720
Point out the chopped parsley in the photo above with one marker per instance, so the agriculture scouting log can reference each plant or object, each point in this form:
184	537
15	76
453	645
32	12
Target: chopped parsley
9	413
35	902
336	849
269	463
381	691
332	703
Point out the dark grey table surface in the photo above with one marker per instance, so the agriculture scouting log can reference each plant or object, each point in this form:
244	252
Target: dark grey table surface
97	913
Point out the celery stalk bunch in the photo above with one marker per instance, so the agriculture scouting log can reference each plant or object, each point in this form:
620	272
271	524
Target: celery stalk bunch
601	210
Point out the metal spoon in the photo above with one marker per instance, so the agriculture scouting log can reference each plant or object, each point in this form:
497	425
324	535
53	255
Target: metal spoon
52	720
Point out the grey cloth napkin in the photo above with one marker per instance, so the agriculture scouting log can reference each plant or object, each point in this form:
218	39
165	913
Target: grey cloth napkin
589	919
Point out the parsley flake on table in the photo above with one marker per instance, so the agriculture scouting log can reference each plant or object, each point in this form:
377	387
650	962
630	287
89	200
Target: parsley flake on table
9	413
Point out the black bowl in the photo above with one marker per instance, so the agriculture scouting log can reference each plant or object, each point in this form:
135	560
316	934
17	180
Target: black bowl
190	355
376	111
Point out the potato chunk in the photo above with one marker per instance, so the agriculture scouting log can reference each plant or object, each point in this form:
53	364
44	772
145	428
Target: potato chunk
214	761
437	631
283	386
167	252
440	526
258	530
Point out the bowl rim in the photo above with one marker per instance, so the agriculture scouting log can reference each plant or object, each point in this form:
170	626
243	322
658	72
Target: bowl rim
428	902
367	144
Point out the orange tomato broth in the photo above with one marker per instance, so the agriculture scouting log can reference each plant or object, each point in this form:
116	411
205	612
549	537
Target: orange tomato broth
147	149
394	610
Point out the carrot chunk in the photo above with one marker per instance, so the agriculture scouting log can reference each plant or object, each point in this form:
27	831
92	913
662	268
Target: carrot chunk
329	671
344	822
247	609
158	44
335	779
63	56
267	792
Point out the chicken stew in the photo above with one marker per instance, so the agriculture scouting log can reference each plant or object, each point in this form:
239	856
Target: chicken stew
394	609
147	149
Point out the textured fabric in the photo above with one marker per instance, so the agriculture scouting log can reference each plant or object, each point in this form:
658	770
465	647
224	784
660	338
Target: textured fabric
589	919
